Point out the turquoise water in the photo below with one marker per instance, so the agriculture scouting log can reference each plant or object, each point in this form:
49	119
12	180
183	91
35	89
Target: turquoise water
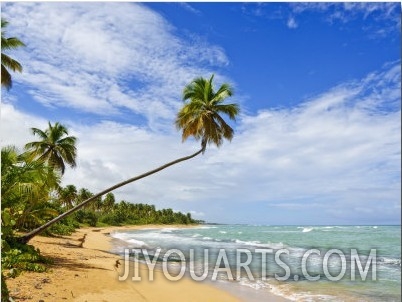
324	275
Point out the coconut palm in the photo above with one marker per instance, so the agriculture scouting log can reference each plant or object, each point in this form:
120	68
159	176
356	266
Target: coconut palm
199	117
68	196
26	188
55	148
8	63
109	202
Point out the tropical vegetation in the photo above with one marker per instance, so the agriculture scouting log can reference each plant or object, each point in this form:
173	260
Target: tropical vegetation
55	148
200	118
32	194
34	201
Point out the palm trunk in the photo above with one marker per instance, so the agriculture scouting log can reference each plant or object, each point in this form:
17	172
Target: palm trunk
26	237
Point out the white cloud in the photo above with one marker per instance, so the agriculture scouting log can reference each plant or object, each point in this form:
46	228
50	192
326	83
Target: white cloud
195	213
389	13
84	55
292	23
337	155
189	8
15	125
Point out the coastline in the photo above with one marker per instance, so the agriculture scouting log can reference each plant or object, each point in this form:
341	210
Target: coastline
84	270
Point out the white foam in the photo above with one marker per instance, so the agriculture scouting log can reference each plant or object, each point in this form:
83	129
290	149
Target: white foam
121	236
259	244
386	260
305	229
206	227
137	243
257	285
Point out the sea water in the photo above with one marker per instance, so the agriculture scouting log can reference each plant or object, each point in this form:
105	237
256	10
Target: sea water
300	263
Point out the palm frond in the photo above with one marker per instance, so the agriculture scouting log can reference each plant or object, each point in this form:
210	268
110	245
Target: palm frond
10	43
6	78
55	147
10	63
6	61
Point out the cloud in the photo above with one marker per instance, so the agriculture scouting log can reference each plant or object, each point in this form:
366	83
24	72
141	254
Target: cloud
15	125
189	8
389	13
381	19
86	55
336	156
292	23
197	214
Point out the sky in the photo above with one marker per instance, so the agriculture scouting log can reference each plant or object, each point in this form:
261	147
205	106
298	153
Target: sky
318	139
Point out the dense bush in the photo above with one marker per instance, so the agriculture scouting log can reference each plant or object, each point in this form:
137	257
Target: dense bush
64	227
17	257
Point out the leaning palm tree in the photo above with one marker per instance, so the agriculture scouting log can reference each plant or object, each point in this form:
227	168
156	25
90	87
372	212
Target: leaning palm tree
55	148
199	117
8	63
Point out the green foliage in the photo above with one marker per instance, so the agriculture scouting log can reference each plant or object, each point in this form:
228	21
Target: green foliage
7	224
86	217
200	117
31	195
17	257
55	147
128	213
26	190
4	289
91	218
65	226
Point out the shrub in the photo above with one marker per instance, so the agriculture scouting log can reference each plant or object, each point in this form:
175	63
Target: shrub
17	257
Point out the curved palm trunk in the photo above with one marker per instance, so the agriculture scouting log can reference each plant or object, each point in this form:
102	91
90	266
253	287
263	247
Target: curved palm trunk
26	237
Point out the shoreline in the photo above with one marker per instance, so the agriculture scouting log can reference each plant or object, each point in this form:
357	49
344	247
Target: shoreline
84	270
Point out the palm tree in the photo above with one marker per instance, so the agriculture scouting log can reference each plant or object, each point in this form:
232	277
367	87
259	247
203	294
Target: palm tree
199	118
26	188
6	61
55	147
68	196
83	195
109	202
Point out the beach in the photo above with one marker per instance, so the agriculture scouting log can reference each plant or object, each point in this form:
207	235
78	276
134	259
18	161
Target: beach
83	269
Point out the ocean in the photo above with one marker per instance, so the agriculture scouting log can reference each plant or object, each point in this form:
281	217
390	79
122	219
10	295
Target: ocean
299	263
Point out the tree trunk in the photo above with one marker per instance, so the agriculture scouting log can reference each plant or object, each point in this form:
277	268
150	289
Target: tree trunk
26	237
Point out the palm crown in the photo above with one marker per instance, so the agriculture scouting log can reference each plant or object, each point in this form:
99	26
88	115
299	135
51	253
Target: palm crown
55	147
200	116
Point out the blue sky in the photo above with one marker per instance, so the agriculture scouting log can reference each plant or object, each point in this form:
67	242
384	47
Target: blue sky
318	140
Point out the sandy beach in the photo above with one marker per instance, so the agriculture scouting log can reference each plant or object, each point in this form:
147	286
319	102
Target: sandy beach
84	270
